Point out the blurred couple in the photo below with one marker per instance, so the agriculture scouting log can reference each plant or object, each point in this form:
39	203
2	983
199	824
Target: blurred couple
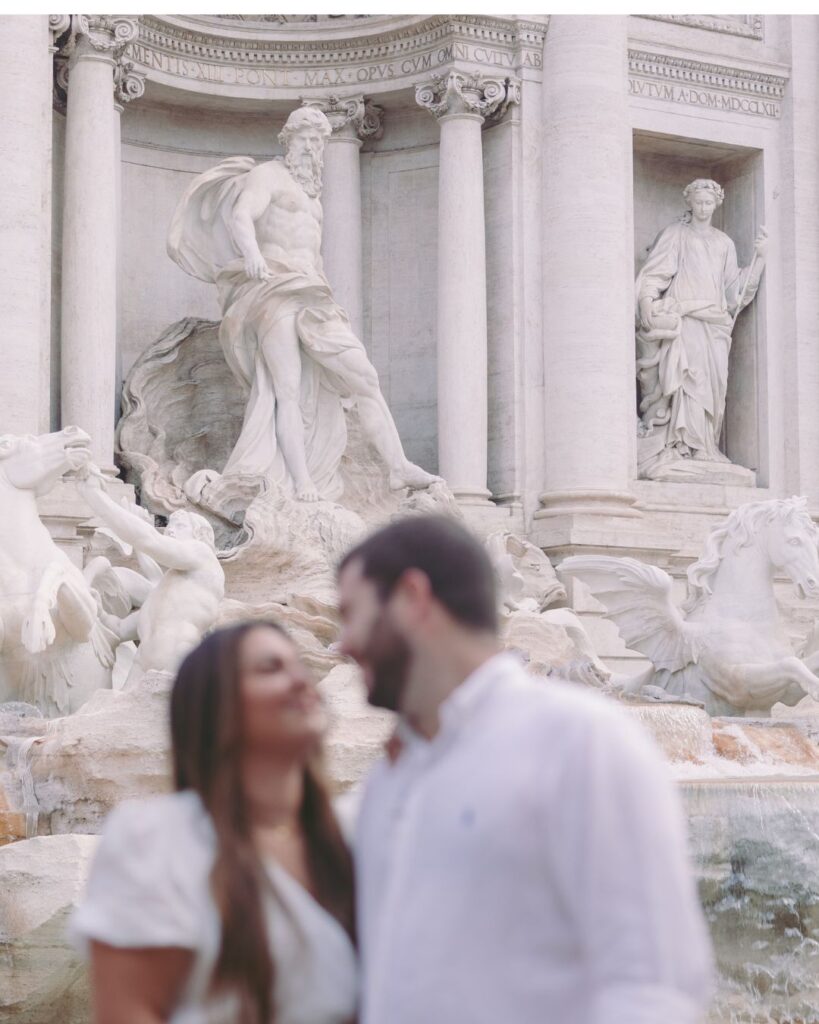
519	854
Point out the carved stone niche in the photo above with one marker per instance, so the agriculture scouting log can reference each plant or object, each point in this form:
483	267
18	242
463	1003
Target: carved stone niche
663	166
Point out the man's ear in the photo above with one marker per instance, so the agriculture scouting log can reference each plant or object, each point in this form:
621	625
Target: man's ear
413	595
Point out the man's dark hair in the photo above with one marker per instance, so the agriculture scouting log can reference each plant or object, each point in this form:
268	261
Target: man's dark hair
460	573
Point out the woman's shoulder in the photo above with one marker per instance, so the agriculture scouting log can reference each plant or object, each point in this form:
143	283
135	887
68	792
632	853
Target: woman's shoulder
171	834
148	881
178	820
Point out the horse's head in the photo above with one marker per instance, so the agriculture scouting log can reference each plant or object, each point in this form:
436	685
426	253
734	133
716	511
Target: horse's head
525	574
36	463
781	531
793	545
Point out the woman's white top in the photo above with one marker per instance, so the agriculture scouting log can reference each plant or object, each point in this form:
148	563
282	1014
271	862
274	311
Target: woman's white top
150	887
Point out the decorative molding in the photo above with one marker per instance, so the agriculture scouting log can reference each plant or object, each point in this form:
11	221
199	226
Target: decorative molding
372	124
91	35
288	19
456	94
101	33
299	57
351	116
58	24
129	83
59	97
712	86
750	26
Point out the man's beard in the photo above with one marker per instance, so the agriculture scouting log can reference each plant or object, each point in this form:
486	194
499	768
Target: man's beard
306	170
389	659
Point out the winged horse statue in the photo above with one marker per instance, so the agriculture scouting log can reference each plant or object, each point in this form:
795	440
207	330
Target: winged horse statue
725	645
51	636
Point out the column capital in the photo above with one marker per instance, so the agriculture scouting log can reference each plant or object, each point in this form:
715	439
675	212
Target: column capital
459	94
58	24
100	35
351	117
129	84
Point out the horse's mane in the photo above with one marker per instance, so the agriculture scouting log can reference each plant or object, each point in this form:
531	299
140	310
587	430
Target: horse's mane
740	528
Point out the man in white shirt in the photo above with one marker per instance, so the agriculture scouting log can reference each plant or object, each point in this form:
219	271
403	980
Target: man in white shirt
521	852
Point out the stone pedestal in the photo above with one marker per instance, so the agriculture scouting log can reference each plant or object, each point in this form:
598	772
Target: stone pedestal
461	103
25	205
89	288
588	337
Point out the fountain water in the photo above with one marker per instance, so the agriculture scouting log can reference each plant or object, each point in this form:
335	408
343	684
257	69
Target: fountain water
756	846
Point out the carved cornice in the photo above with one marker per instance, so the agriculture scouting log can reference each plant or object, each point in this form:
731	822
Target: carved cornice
750	26
712	86
298	57
457	94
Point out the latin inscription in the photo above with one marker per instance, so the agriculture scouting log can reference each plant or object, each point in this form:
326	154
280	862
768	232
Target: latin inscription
692	95
295	77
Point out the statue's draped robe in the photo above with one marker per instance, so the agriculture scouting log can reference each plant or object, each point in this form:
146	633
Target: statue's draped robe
698	276
201	242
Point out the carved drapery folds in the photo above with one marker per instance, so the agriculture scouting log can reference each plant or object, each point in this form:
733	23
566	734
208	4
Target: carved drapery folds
460	94
351	115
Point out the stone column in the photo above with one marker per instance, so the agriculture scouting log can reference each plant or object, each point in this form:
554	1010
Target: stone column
89	288
461	103
25	221
352	121
588	301
129	84
796	391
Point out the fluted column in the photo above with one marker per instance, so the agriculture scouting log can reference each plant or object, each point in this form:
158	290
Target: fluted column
460	104
588	299
352	121
89	287
25	223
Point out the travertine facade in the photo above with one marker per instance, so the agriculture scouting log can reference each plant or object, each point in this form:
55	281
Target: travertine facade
492	188
486	254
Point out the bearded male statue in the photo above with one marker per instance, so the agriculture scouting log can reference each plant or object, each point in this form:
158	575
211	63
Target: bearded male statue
254	230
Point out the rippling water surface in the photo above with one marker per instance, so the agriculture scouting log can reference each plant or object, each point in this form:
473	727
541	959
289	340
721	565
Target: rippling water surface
756	847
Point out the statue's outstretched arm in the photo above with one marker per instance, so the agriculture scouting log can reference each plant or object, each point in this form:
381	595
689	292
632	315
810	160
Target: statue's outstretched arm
168	551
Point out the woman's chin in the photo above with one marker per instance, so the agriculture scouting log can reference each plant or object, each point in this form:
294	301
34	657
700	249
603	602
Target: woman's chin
311	737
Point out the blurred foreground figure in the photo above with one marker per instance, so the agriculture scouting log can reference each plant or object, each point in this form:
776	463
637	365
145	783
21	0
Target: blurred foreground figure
230	900
520	853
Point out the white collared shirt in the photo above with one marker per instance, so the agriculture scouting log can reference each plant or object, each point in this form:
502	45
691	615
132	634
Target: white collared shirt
527	866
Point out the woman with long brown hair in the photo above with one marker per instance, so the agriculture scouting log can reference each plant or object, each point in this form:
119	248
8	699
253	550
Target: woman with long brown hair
230	900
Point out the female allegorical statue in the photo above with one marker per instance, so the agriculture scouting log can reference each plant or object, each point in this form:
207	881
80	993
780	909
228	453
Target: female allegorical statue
689	294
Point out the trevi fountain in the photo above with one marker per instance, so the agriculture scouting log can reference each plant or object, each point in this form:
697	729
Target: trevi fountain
272	280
